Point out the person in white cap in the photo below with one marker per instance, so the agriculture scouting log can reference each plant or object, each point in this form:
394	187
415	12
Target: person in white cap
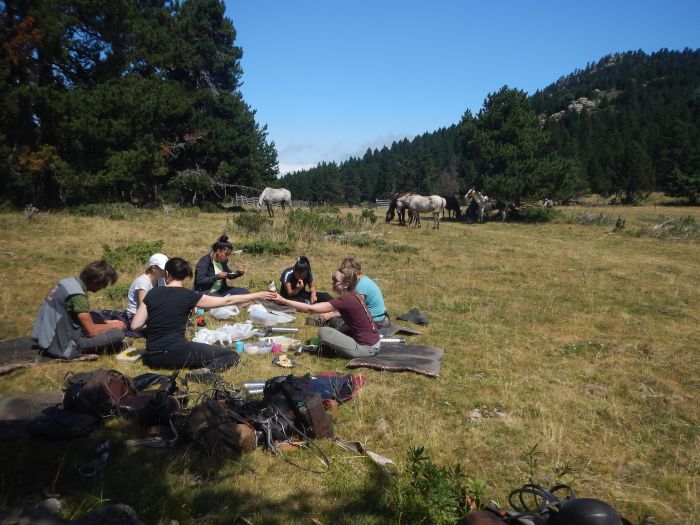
142	284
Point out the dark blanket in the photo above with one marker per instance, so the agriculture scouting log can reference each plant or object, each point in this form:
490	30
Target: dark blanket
393	329
17	412
21	352
421	359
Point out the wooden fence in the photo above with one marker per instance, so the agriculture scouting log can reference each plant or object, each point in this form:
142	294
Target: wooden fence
240	200
383	203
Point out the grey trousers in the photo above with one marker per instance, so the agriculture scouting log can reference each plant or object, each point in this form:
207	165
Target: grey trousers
106	342
344	345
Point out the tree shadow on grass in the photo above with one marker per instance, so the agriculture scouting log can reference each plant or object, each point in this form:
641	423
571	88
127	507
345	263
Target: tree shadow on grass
165	484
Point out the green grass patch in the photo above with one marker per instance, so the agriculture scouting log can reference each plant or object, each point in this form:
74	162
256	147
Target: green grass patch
130	255
263	246
119	211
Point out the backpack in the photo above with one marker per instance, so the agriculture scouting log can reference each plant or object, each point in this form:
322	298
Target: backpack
219	430
98	392
287	396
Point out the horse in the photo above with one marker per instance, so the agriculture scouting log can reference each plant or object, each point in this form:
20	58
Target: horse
272	196
452	206
400	210
486	205
418	204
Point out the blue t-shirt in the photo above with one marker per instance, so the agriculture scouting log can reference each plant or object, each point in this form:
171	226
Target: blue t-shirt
373	297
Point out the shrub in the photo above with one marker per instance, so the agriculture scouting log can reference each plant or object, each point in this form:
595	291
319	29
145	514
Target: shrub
676	229
129	255
209	207
433	494
117	292
251	222
267	246
591	219
379	244
118	211
530	215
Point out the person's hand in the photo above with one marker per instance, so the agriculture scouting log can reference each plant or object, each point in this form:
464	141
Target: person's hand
221	275
119	325
326	316
314	298
241	270
300	284
276	297
269	296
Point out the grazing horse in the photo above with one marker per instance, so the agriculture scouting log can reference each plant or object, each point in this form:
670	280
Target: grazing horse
395	207
418	204
271	196
486	205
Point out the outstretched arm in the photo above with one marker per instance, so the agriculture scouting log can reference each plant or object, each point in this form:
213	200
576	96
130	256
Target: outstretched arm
316	308
208	301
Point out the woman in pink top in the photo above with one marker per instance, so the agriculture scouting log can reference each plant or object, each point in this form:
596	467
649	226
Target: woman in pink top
362	338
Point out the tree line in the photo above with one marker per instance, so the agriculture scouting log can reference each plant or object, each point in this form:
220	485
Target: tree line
624	126
139	101
116	100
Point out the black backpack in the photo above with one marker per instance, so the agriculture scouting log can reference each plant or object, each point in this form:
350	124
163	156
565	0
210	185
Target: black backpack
303	409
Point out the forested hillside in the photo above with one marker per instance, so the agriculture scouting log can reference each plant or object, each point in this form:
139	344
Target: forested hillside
626	125
124	101
140	102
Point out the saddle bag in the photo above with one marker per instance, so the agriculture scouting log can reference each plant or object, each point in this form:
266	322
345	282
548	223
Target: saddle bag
303	408
98	392
219	430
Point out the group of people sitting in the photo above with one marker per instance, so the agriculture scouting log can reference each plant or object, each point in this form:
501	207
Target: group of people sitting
159	306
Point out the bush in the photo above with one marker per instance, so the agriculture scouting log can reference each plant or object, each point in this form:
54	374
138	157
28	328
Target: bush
251	222
117	292
189	212
435	495
118	211
130	255
209	207
267	246
676	229
591	219
379	244
531	215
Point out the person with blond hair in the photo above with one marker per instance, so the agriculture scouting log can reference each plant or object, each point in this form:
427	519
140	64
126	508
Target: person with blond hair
371	293
361	338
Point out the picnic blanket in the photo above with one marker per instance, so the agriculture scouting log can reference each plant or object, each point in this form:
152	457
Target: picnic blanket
393	329
21	352
421	359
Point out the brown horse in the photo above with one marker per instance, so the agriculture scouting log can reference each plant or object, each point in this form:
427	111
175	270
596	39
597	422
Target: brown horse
394	207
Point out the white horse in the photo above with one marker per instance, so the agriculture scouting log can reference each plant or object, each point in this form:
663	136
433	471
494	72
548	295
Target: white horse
486	205
272	196
419	203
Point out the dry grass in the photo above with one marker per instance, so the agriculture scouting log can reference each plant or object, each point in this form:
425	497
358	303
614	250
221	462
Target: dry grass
564	336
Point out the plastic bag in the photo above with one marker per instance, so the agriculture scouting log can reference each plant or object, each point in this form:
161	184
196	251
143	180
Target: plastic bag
225	335
224	312
262	316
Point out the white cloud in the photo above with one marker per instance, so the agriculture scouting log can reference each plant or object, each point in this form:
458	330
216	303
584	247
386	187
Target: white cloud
290	168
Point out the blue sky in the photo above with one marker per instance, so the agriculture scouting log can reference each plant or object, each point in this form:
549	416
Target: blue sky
332	78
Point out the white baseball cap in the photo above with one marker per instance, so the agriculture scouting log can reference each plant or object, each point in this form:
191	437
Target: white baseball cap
159	260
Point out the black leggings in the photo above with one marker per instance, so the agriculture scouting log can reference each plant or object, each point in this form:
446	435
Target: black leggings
191	355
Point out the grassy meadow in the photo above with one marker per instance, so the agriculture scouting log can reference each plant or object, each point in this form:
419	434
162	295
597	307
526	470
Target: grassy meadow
571	355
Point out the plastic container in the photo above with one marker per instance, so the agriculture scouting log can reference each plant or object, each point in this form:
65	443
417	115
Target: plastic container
240	346
260	347
276	348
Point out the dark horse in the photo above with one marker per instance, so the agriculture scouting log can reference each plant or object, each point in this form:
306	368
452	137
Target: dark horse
451	207
399	210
